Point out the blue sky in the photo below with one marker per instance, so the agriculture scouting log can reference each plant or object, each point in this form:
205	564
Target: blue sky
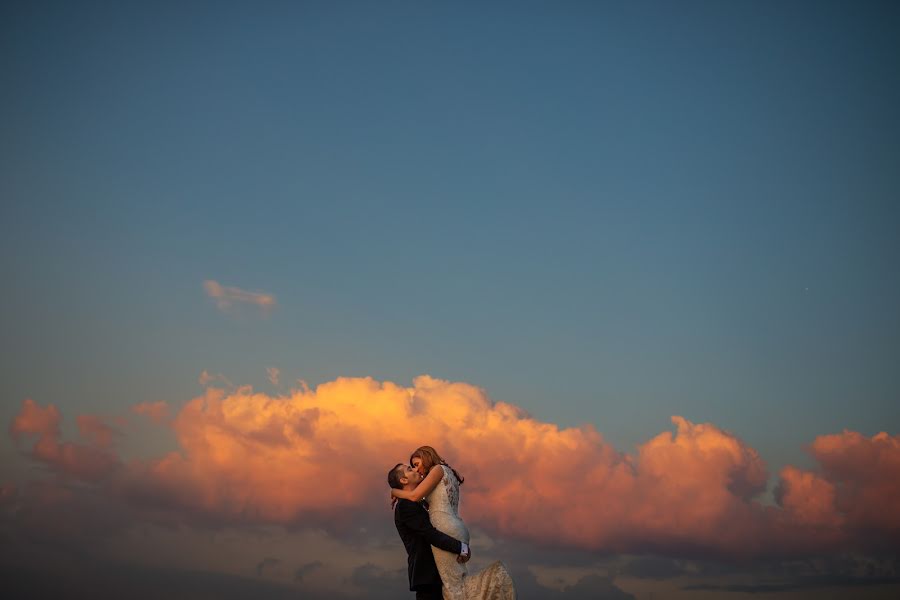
605	213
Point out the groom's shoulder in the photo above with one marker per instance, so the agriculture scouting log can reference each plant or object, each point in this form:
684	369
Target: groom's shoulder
405	506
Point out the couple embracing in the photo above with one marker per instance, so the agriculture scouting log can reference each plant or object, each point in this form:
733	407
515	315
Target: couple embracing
437	539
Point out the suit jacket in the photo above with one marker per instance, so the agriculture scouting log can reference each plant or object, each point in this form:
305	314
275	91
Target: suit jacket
419	536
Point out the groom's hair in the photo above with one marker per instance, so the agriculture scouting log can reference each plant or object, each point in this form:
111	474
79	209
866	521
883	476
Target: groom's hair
394	477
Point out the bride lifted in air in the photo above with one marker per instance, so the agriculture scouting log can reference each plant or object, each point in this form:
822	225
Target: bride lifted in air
439	487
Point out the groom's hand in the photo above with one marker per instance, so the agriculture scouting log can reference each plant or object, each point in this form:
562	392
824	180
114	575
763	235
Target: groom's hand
465	555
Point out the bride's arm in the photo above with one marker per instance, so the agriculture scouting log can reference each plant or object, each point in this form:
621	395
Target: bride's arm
424	488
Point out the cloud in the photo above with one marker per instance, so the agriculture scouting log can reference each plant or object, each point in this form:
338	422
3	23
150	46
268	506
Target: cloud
231	298
318	458
652	567
114	580
370	576
96	430
61	514
266	562
588	587
158	412
809	498
820	583
92	462
34	419
856	492
306	569
207	378
273	373
596	587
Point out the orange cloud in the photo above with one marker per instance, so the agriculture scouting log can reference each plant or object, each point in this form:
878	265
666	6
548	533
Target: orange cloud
866	474
320	456
228	298
84	462
96	430
809	499
158	412
853	500
34	419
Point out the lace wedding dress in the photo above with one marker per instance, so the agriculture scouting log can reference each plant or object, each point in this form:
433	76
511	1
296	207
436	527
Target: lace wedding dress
491	583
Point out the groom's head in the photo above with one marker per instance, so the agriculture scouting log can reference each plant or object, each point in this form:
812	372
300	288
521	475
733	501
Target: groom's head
403	476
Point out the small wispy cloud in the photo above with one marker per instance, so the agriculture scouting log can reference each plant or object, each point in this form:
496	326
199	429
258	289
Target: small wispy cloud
229	299
207	378
158	412
273	373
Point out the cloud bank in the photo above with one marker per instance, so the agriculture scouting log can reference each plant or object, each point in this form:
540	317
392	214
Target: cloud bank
318	457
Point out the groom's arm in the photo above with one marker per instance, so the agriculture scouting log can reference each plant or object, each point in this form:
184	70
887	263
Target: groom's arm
414	516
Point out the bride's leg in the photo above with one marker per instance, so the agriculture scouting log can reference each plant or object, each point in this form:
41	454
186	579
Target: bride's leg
452	574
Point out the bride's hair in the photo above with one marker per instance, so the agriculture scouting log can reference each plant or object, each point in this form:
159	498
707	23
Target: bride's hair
430	458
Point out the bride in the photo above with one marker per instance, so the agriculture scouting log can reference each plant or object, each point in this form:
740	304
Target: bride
440	488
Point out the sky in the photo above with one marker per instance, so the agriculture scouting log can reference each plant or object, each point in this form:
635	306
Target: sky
630	266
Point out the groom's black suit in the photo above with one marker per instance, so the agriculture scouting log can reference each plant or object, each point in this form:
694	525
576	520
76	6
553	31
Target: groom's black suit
419	536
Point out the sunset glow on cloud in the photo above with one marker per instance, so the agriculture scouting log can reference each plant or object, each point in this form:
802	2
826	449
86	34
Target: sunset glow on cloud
867	473
311	455
86	461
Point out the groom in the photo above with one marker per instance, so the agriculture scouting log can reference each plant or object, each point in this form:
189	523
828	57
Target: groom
419	535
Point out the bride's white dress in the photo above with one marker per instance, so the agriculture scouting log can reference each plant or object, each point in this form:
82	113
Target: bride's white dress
491	583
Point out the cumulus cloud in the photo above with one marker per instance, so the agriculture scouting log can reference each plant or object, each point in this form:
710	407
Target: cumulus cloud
318	457
809	498
273	373
856	492
228	299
